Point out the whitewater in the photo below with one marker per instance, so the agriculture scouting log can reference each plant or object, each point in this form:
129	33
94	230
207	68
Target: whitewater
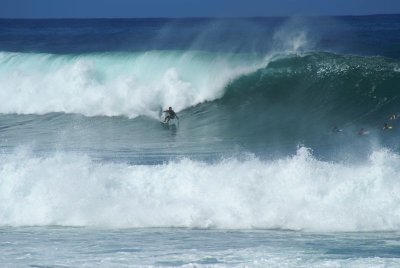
297	193
115	84
280	158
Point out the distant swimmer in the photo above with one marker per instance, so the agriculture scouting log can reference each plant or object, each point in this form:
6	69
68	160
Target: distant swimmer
363	132
394	117
386	126
170	115
335	129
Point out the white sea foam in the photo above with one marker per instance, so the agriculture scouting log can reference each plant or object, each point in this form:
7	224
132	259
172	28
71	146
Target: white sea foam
111	84
298	192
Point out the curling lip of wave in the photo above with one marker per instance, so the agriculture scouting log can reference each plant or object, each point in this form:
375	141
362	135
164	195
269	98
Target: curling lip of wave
113	84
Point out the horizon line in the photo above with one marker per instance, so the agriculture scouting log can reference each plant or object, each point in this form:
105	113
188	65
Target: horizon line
197	17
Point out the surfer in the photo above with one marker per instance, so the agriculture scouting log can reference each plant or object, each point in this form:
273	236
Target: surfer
170	115
386	126
336	129
363	132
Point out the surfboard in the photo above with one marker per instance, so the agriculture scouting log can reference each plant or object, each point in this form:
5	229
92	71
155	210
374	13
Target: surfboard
171	122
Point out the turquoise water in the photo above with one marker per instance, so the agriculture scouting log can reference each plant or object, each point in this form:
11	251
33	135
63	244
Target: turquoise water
82	247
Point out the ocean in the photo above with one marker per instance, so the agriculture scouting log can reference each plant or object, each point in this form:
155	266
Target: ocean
281	157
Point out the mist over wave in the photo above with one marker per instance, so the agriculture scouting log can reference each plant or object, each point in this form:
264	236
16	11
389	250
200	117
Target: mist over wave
297	192
139	82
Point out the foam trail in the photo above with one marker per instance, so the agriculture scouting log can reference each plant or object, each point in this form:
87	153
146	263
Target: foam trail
297	192
113	84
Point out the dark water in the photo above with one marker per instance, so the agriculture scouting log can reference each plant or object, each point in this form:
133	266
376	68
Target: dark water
366	35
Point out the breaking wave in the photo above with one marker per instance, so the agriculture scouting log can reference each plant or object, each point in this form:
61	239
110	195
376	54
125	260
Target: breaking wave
297	192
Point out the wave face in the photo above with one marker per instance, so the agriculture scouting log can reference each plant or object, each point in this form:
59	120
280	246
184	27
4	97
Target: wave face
301	98
297	192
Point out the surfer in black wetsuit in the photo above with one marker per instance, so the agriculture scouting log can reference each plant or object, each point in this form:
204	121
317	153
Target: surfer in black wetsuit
171	115
386	126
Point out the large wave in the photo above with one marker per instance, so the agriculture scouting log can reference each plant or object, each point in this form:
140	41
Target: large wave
258	102
298	192
132	84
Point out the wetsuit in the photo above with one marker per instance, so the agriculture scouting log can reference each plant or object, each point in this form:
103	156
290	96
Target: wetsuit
171	115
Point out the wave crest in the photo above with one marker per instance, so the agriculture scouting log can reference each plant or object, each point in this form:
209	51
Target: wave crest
112	84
